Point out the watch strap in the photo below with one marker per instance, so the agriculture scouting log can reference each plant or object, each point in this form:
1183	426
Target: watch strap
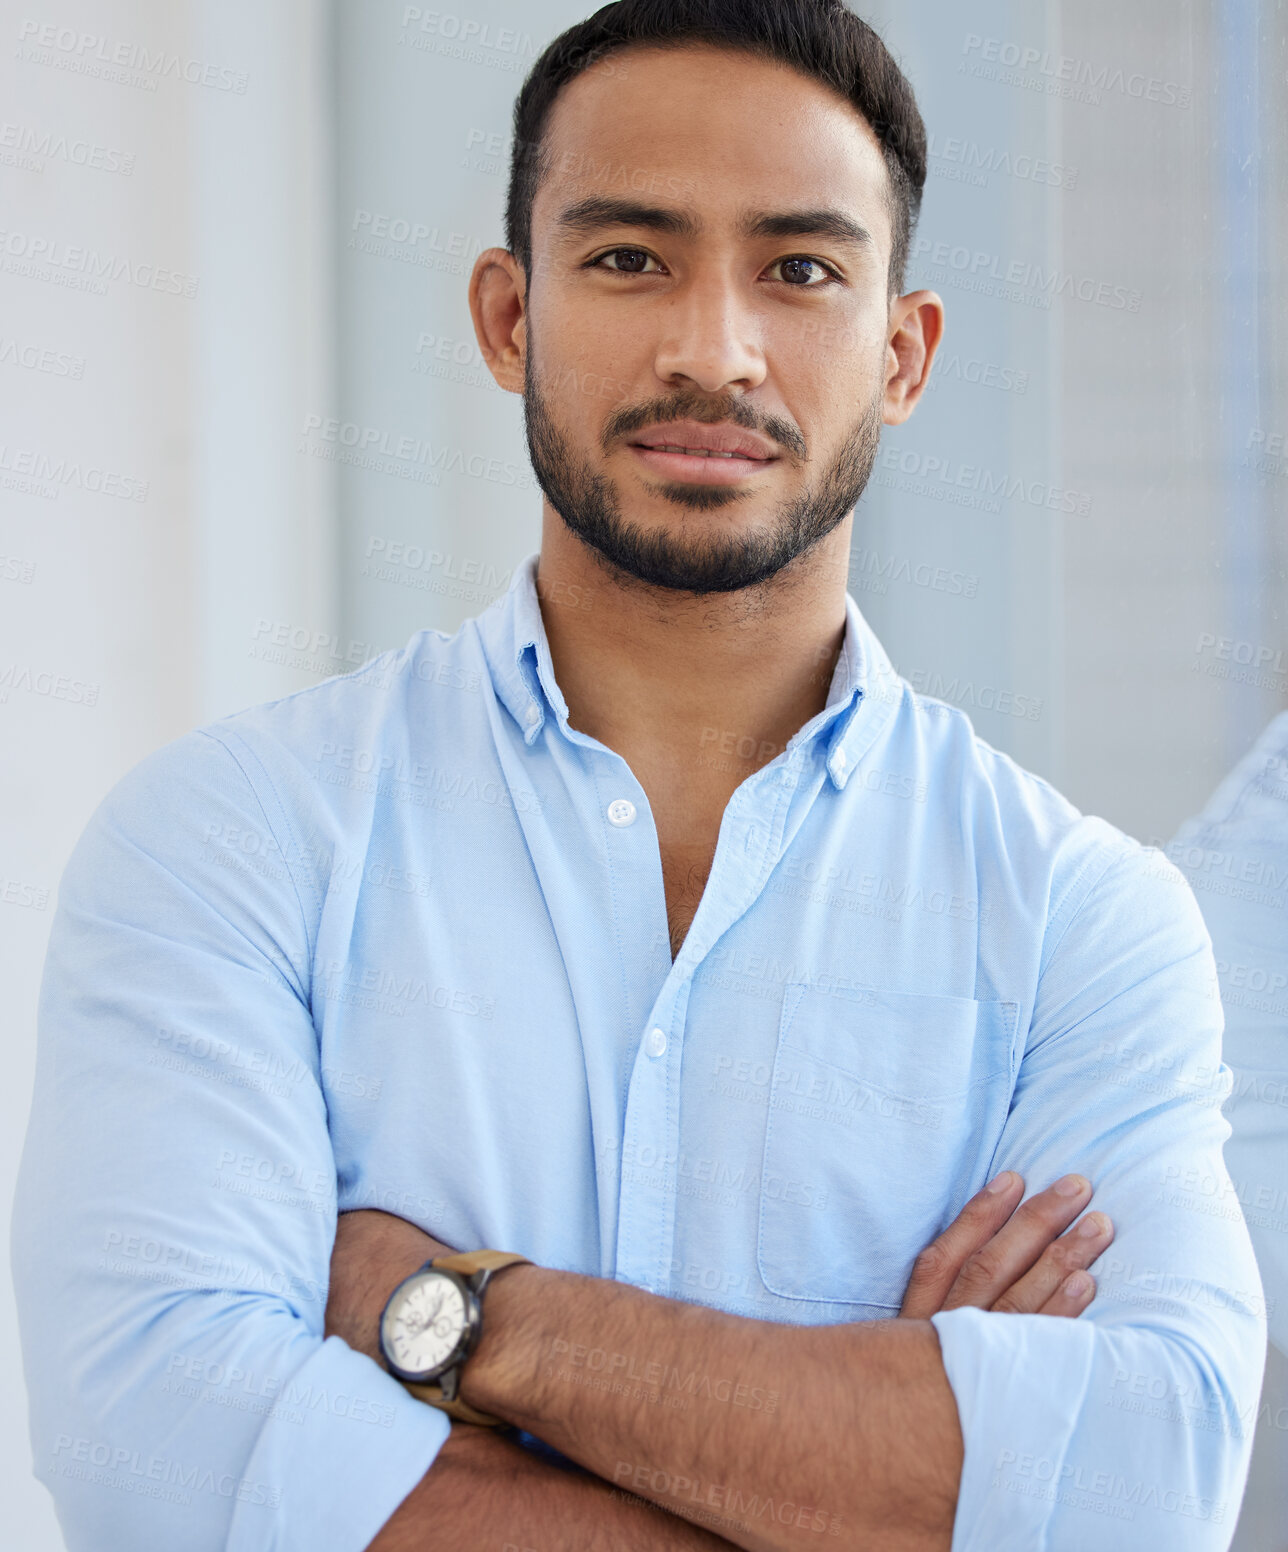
478	1266
468	1262
461	1410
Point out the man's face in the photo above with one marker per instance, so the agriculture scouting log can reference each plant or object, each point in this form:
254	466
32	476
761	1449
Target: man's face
633	329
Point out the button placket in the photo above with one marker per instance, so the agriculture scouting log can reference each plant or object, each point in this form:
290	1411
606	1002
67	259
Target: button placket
646	1212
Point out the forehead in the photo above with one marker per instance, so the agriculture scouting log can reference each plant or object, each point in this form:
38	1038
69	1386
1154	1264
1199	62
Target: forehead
712	129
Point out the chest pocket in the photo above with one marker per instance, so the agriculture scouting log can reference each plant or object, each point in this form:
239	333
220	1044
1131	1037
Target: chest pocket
884	1112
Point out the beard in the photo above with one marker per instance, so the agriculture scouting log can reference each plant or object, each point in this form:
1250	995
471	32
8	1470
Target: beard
589	503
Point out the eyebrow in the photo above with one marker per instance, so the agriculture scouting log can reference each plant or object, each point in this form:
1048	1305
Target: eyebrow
587	215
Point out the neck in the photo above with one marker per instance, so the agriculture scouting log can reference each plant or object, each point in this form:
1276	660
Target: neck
715	684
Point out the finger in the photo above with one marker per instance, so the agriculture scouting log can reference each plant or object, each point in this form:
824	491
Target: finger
1015	1248
936	1268
1073	1296
1072	1252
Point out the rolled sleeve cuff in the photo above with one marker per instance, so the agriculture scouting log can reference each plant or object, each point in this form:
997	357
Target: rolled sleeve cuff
342	1447
1019	1382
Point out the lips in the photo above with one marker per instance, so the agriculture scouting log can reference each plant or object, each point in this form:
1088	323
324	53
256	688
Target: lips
693	438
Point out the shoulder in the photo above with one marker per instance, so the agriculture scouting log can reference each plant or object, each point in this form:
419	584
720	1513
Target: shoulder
1037	857
251	788
1247	814
1017	822
380	695
1234	854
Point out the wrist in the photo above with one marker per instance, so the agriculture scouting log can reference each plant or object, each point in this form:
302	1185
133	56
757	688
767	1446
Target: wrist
374	1252
499	1375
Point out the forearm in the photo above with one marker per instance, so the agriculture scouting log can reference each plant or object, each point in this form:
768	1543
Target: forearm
862	1442
615	1397
483	1490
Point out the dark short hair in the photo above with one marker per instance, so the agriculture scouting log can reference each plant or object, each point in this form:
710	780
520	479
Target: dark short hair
821	38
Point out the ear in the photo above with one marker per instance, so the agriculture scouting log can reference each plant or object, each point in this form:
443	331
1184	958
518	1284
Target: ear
916	327
498	289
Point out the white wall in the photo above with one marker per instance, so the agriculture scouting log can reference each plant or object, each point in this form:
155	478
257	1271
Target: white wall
154	506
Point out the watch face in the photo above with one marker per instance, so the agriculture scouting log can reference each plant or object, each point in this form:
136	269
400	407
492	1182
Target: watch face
425	1323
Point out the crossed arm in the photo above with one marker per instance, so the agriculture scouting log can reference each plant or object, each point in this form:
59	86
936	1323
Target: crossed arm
666	1405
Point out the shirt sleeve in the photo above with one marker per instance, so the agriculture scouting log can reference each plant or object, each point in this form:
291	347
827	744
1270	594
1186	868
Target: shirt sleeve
176	1204
1130	1427
1245	919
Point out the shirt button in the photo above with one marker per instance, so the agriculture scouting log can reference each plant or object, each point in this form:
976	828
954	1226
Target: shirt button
787	779
533	714
655	1044
841	761
621	812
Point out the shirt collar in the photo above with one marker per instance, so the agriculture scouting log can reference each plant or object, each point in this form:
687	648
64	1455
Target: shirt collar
863	693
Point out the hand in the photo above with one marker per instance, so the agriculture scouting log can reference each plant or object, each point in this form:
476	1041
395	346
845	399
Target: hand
373	1252
990	1259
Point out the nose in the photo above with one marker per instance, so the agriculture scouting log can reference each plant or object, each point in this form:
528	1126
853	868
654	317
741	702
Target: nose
708	338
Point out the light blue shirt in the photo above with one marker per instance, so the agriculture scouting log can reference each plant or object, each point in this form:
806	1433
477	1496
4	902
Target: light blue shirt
1235	856
400	940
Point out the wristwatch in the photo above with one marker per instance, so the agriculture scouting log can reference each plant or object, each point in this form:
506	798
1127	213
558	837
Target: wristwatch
432	1322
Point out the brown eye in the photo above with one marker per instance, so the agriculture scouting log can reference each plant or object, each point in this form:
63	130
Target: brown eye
632	253
797	267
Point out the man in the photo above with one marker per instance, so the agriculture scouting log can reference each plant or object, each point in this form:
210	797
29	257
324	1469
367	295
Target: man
1235	855
649	930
